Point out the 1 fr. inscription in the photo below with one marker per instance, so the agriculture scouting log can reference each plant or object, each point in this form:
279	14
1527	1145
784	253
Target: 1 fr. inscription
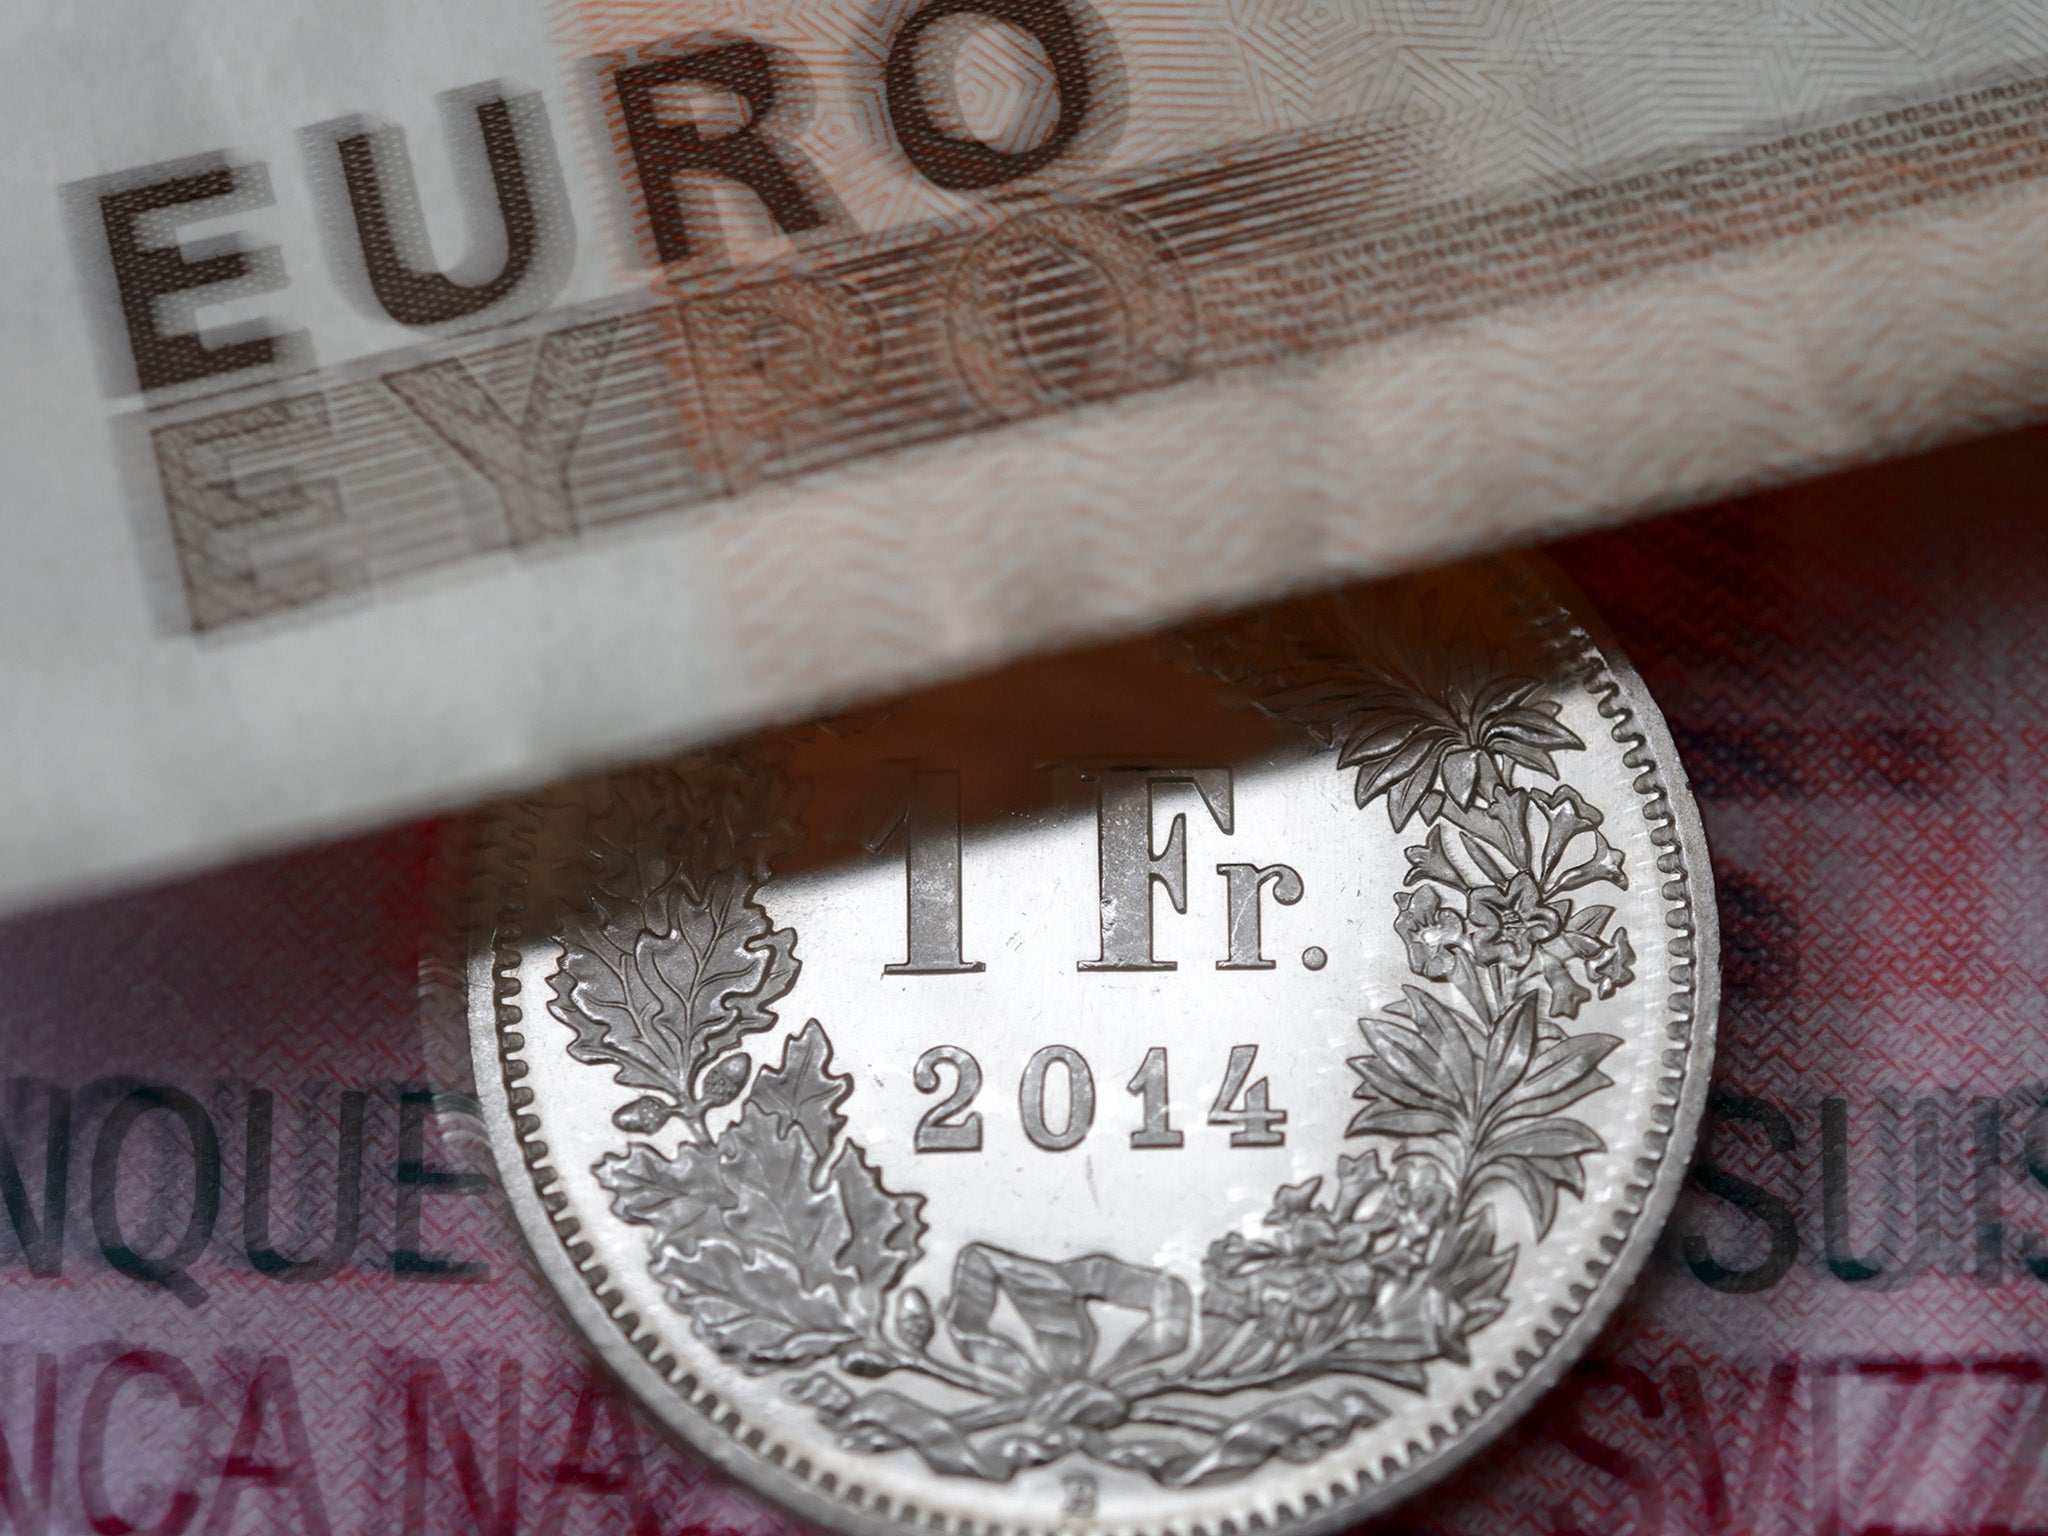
925	821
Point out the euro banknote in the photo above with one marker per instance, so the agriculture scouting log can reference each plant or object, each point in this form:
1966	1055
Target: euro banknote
256	1275
403	402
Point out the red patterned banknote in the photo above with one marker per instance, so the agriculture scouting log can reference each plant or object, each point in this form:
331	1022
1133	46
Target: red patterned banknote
255	1274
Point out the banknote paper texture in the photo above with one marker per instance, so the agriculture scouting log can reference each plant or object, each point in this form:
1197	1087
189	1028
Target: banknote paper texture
403	403
254	1277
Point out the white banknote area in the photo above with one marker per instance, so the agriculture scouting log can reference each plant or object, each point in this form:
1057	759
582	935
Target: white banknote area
143	735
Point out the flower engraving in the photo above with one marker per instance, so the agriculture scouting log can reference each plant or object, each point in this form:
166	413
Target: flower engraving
1469	1074
1433	931
1508	925
1458	744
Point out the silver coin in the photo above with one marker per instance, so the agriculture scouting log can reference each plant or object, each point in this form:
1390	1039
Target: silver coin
1206	1083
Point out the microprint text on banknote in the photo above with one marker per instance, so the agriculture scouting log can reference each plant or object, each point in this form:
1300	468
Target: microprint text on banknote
848	232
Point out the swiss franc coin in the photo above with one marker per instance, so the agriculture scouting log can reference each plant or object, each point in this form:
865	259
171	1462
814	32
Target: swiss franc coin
1208	1083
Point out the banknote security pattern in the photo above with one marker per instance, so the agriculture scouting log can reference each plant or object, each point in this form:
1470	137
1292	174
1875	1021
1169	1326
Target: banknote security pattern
1055	284
518	174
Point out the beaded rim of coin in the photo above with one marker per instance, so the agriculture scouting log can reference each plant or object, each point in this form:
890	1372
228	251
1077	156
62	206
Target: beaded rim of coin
699	1406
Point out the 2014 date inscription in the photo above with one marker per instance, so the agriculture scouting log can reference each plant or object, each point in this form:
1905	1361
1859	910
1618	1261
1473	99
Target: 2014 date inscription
951	1126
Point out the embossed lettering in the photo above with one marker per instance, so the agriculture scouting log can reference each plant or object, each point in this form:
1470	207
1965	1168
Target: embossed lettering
348	1190
1985	1171
1128	866
621	1475
944	1127
271	1396
92	1439
1081	1490
2035	1149
417	1177
41	1237
1834	1185
927	822
1066	304
221	519
1773	1210
167	1269
147	272
960	162
772	359
428	1402
1080	1098
1150	1085
391	229
1256	1118
1246	881
25	1499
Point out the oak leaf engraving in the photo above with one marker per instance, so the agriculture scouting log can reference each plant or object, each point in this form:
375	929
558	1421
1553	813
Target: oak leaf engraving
888	1234
802	1092
780	1252
660	991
